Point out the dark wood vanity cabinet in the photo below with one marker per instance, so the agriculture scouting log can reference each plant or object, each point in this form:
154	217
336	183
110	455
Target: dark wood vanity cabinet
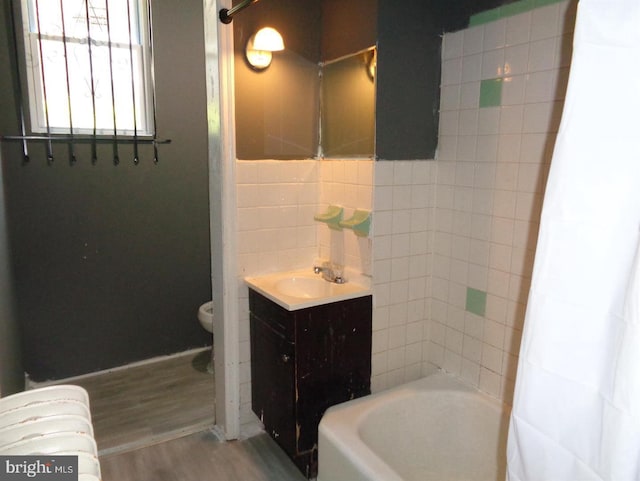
303	362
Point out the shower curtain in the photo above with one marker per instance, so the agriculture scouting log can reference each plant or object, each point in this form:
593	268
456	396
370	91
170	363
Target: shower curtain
576	411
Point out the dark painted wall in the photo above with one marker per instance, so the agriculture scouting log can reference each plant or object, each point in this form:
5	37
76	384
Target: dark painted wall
11	373
112	262
408	80
454	15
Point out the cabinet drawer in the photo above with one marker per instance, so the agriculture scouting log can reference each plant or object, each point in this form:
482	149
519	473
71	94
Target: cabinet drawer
272	314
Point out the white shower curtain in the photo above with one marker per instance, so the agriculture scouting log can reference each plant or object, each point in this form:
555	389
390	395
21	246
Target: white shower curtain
576	412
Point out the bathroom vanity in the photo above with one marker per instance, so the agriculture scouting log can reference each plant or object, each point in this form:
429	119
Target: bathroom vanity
304	361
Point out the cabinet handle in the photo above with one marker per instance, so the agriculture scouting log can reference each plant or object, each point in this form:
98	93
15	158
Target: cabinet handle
285	358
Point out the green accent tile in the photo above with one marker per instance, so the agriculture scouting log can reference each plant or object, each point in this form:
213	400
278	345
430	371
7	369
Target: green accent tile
515	8
476	301
491	92
485	17
508	10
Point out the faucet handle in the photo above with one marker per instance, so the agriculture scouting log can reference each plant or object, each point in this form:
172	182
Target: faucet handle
331	272
321	266
337	273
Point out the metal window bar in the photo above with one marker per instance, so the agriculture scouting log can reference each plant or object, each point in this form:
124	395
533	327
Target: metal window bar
71	138
72	154
153	78
136	158
44	86
116	155
23	129
94	150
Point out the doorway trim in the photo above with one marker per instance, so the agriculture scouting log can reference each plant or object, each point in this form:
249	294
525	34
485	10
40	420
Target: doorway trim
222	217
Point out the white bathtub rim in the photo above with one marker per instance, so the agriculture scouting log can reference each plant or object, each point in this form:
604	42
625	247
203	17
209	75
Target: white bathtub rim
347	418
356	412
440	380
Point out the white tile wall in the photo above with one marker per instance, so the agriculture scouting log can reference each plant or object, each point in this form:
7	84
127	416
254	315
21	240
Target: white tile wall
492	167
348	183
402	256
276	203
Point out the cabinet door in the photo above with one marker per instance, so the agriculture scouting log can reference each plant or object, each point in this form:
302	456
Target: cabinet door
272	382
333	349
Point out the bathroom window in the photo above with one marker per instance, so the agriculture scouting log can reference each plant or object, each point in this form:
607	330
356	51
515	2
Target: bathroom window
89	66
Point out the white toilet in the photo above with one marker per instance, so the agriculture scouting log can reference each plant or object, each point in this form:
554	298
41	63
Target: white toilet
205	316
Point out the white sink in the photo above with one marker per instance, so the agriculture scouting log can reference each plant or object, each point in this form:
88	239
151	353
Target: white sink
304	287
299	289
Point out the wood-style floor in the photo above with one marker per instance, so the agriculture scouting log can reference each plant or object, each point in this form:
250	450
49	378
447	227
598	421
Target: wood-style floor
153	422
201	457
151	403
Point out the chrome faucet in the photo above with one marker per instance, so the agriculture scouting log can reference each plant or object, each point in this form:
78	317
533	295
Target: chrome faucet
330	272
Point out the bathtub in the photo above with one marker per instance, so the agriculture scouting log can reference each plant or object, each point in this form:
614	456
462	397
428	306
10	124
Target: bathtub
432	429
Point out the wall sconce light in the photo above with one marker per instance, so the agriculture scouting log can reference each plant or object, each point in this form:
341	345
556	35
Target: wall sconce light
260	45
372	64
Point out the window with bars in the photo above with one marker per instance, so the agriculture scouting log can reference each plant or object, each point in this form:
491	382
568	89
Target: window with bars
89	67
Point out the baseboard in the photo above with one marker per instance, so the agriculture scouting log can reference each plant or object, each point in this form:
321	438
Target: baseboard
157	439
29	384
250	429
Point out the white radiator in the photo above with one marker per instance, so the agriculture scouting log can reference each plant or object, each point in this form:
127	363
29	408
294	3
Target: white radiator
53	420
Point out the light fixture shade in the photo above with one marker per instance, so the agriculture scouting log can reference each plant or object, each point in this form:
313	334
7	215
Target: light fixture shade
258	59
268	39
260	46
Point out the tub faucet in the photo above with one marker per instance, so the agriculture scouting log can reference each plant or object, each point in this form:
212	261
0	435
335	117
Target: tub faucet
330	272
